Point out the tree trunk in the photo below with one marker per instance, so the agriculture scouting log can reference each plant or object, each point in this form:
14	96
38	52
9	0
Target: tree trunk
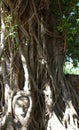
39	94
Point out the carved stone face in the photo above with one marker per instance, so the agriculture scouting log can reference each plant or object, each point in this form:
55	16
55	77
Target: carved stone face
21	106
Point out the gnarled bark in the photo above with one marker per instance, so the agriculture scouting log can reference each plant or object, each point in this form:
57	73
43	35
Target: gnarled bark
36	66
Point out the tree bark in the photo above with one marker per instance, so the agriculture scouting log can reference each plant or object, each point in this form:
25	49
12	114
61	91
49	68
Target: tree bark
35	69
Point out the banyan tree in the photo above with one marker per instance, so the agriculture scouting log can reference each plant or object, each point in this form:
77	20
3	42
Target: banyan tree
34	92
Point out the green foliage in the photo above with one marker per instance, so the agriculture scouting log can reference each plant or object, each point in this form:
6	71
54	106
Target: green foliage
8	19
67	14
11	30
64	27
16	45
10	26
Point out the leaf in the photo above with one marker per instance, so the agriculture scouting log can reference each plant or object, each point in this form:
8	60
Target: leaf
16	45
60	28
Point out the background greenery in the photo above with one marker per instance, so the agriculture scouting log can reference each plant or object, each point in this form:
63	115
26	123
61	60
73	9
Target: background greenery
71	27
70	69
